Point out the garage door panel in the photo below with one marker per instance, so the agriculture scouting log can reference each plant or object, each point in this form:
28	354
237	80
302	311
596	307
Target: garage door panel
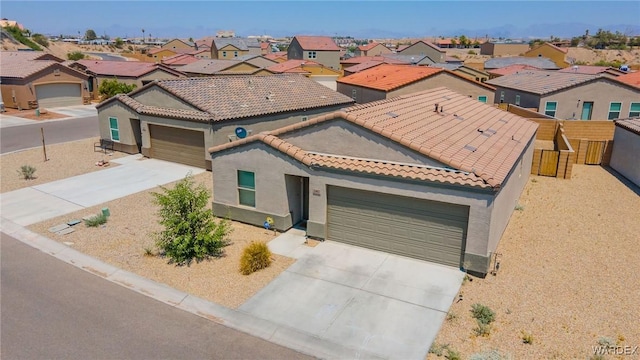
56	95
417	228
177	145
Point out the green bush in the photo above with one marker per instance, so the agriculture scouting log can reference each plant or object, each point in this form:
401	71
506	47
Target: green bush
527	338
483	314
27	172
40	39
482	329
75	55
109	88
19	35
96	221
255	256
452	355
190	231
471	52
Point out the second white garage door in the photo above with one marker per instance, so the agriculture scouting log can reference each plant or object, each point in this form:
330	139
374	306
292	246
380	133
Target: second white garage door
177	145
56	95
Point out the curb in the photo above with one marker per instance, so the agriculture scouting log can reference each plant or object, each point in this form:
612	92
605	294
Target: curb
237	320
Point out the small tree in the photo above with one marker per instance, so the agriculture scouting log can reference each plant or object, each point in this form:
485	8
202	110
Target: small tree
190	231
119	43
109	88
90	35
75	55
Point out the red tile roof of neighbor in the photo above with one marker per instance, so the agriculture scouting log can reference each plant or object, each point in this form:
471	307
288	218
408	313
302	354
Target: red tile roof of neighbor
631	124
264	45
221	98
546	82
361	59
122	68
585	69
387	77
480	142
320	43
368	46
363	66
293	65
276	55
511	69
179	59
632	79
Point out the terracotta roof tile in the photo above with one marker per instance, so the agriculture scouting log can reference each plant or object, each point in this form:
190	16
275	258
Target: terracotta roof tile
121	68
320	43
363	66
22	64
276	55
159	111
631	124
240	43
632	79
292	65
510	69
435	47
369	46
179	59
543	82
473	137
208	66
585	69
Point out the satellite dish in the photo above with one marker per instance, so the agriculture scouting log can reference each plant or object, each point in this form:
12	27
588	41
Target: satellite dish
241	132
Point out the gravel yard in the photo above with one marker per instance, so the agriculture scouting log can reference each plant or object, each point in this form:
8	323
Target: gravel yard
64	160
123	240
568	274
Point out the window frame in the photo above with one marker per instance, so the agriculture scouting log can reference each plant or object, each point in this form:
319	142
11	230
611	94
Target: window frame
312	55
501	96
242	188
619	110
555	110
224	54
112	129
633	113
486	98
517	101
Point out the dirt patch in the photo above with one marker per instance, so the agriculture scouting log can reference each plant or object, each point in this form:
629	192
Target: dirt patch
124	240
32	115
58	166
567	276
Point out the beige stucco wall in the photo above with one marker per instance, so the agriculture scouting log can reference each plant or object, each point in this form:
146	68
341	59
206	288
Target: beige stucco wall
124	115
362	94
176	44
340	137
545	50
376	51
269	166
624	157
327	58
424	49
155	96
503	49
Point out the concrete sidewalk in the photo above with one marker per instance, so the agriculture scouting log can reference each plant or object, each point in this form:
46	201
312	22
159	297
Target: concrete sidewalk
70	112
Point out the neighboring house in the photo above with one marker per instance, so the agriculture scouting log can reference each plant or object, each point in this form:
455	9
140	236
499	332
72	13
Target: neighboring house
372	49
423	48
361	67
204	53
311	69
204	43
357	60
568	96
33	79
421	60
320	49
552	52
593	70
632	79
444	43
508	70
179	60
466	71
394	176
233	47
387	81
494	48
540	63
177	44
626	147
257	60
160	54
177	120
265	48
279	56
128	72
222	67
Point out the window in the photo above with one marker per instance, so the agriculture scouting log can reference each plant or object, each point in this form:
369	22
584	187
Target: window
246	188
235	54
614	110
518	100
634	110
353	94
312	54
501	96
482	98
224	54
113	128
550	108
304	118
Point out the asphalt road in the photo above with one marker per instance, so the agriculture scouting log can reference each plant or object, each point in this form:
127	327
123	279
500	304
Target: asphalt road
52	310
109	57
28	136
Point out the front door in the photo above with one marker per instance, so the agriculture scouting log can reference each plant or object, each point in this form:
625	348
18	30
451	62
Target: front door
587	109
298	198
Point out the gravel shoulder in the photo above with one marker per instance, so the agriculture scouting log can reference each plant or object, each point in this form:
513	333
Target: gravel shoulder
64	160
568	273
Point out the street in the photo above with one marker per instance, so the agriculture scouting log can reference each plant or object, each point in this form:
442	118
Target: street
28	136
52	310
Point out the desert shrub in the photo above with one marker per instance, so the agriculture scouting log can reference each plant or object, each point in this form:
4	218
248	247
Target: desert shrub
519	207
148	252
189	229
471	52
606	342
483	314
96	221
40	39
75	55
452	355
27	172
527	338
482	329
451	315
438	349
109	88
255	256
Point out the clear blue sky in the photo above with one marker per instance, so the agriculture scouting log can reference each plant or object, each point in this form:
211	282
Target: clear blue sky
355	18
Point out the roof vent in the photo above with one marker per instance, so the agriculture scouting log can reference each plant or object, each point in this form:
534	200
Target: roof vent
504	120
470	148
490	131
392	114
458	117
436	108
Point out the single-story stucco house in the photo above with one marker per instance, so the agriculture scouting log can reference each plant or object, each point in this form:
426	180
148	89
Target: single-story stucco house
626	148
177	120
433	175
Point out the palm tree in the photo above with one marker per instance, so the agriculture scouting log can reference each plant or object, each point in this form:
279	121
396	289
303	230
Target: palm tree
142	36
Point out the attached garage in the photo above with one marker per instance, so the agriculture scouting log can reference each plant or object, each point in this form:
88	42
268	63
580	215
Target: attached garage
421	229
177	145
55	95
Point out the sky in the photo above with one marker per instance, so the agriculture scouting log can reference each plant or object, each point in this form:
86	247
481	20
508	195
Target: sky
360	19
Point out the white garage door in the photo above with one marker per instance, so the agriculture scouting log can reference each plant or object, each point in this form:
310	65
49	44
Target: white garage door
54	95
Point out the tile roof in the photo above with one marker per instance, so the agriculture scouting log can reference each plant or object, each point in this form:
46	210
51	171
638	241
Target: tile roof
182	114
363	66
122	68
179	59
511	69
276	55
368	46
408	59
435	47
320	43
541	81
632	79
208	66
241	96
539	62
478	139
382	58
292	65
28	55
13	67
448	66
585	69
451	59
241	43
631	124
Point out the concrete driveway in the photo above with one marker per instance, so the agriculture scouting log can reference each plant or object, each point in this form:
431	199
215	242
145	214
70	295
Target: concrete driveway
377	304
134	174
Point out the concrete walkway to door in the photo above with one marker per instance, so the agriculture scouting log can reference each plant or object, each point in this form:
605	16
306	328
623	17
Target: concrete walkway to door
377	304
